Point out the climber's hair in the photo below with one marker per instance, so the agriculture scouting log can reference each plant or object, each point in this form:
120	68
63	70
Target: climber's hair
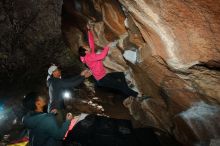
82	51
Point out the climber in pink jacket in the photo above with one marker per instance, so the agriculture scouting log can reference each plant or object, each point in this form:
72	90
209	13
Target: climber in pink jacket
94	61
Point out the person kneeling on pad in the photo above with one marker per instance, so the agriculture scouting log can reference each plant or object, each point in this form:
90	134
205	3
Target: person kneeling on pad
43	127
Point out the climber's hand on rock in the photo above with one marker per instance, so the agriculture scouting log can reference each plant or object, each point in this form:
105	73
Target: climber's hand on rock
88	27
90	24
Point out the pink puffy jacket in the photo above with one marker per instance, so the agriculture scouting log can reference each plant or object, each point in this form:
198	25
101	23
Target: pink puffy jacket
93	60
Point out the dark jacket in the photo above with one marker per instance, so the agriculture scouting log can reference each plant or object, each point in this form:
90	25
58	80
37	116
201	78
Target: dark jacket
43	129
57	87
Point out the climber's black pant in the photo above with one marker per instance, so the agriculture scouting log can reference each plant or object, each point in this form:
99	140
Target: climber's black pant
116	81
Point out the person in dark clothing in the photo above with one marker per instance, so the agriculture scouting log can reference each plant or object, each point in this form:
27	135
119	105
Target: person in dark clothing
58	87
43	127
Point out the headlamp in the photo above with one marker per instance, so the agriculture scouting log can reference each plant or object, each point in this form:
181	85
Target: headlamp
67	95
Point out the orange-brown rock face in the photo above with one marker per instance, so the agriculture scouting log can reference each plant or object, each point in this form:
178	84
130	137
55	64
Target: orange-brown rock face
169	50
182	32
